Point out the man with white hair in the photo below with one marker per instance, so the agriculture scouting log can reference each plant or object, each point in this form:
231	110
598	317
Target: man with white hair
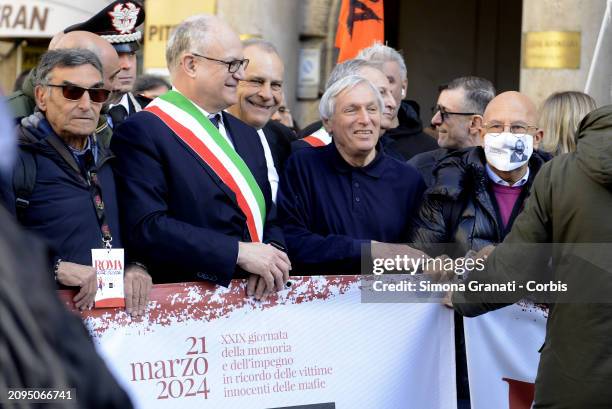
372	71
193	178
407	130
348	194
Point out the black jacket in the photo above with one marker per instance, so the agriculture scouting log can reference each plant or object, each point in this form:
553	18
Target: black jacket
460	209
279	139
426	162
408	139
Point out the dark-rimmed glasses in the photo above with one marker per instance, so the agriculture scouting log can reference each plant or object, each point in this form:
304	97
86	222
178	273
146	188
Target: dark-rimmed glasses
75	93
232	66
444	114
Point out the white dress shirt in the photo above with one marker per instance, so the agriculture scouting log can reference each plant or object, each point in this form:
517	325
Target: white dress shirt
499	181
272	173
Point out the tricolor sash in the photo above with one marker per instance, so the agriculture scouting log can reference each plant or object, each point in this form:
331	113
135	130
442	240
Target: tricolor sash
197	132
319	138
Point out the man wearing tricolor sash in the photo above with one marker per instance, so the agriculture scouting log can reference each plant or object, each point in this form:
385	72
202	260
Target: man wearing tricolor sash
195	197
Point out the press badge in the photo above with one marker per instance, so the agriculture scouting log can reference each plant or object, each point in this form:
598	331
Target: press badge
109	265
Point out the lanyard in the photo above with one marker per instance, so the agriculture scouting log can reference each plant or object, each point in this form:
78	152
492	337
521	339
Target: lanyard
95	190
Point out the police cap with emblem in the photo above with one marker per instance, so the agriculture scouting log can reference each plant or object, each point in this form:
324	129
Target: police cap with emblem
117	24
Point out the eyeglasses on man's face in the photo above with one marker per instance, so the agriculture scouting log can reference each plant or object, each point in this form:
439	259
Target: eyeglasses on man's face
74	92
232	66
445	114
515	128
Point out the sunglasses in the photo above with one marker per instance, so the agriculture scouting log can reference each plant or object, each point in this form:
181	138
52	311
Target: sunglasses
75	93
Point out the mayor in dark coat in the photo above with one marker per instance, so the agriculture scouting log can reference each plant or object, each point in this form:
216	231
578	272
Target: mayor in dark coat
188	206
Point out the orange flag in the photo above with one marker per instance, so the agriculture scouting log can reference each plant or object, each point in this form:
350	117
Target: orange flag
361	23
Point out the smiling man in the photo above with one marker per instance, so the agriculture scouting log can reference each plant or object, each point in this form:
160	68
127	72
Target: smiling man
349	193
259	96
316	135
193	178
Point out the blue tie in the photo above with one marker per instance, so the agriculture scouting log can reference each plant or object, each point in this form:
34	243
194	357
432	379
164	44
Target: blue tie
215	120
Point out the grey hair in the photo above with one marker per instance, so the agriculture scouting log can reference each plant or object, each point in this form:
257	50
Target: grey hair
327	106
349	67
193	32
382	53
65	57
478	92
262	44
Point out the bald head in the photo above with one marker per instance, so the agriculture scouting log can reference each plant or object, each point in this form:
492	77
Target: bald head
510	107
510	112
55	39
96	44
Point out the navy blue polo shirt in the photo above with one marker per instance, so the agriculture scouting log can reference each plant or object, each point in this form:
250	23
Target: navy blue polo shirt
329	208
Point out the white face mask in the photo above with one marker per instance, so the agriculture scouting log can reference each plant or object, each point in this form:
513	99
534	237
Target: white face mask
507	151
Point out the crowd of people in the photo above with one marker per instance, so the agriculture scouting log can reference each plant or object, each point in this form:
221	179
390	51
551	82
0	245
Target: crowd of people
206	176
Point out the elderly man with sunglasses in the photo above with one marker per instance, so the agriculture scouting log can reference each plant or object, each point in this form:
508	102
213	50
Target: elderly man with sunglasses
68	193
192	178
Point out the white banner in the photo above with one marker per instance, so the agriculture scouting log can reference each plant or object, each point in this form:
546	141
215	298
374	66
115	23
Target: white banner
502	354
313	344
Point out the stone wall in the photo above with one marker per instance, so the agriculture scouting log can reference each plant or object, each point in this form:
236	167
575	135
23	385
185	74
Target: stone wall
584	16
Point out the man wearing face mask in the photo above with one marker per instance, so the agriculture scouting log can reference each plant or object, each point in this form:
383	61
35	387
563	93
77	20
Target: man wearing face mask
478	192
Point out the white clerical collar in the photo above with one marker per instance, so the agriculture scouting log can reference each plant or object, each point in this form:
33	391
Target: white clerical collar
499	181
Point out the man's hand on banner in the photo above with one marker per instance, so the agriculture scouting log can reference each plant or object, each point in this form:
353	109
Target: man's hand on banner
269	265
137	288
78	275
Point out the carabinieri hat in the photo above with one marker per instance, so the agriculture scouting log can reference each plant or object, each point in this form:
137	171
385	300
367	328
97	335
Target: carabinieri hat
117	24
